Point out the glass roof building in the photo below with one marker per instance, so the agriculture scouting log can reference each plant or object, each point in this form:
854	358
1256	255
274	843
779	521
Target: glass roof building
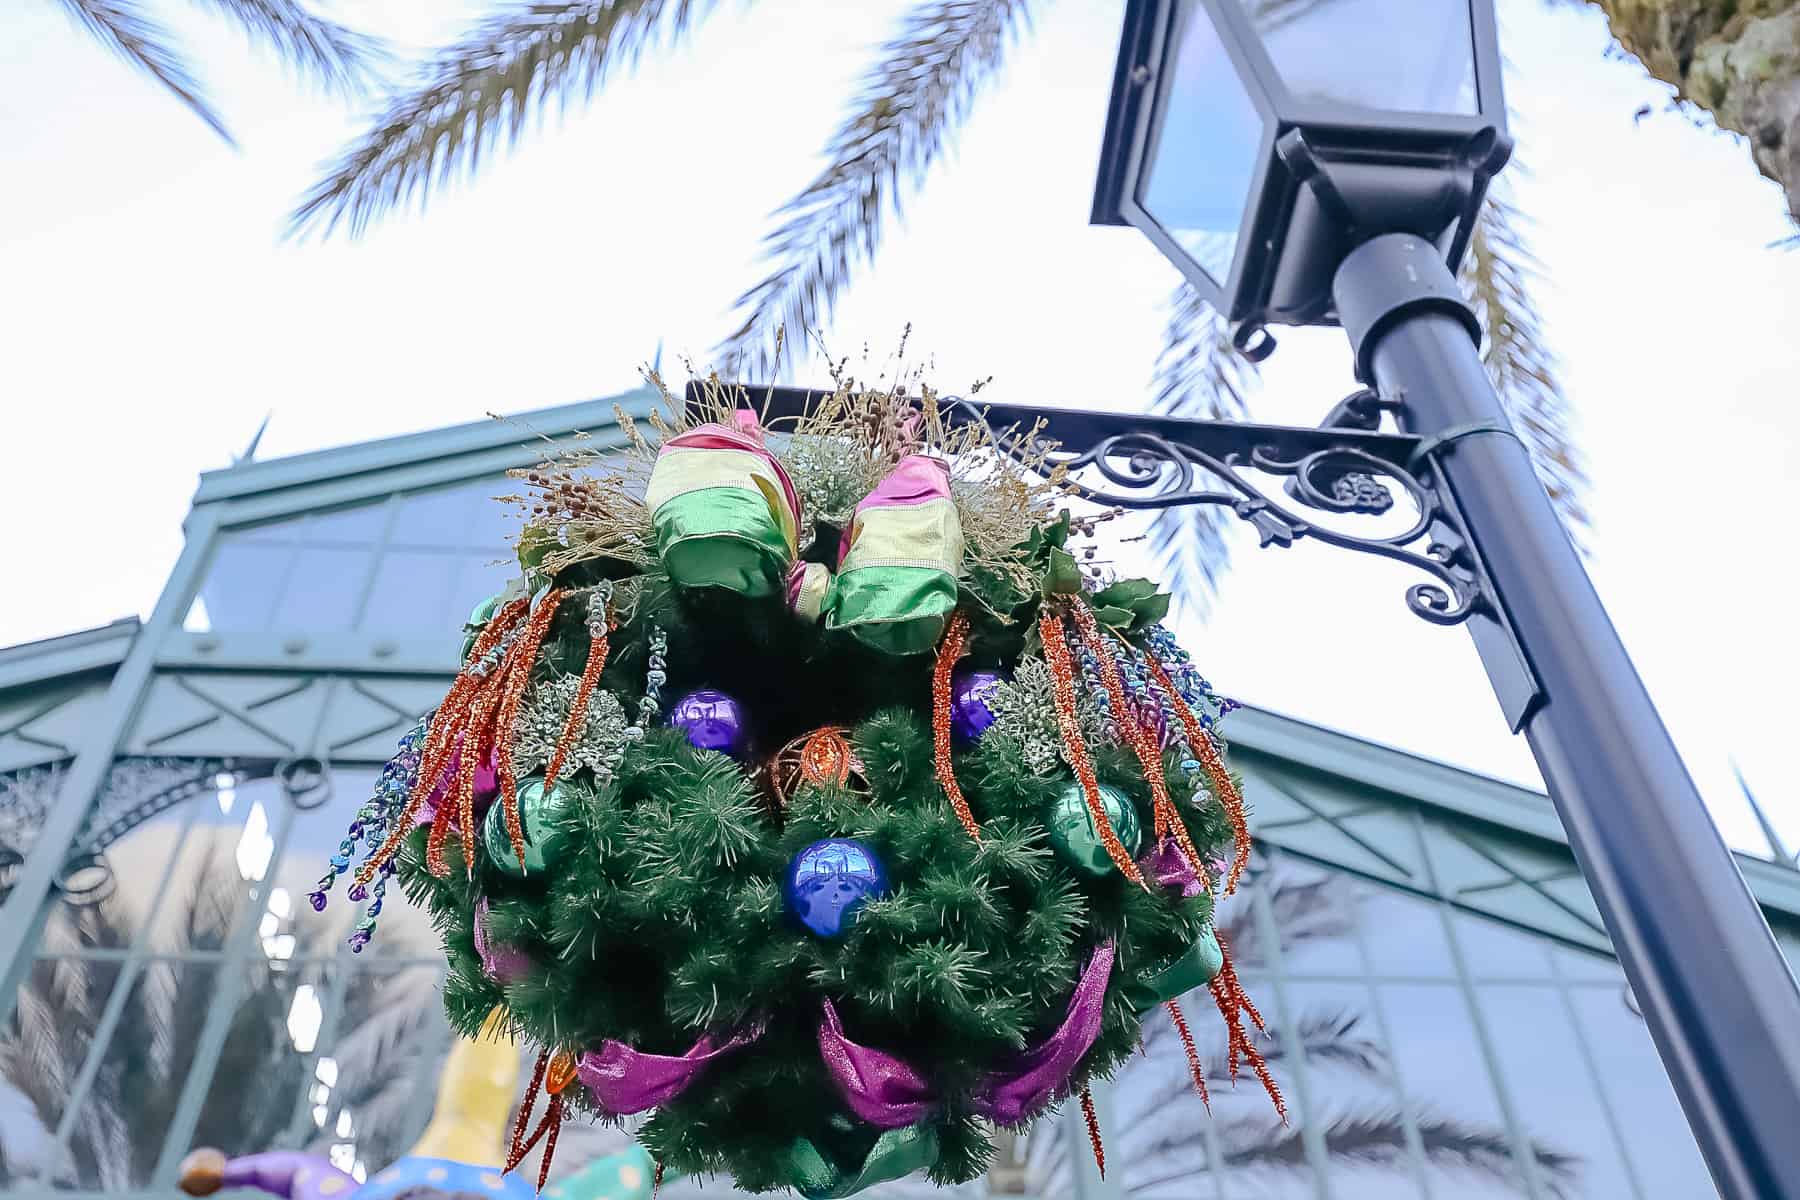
1446	1017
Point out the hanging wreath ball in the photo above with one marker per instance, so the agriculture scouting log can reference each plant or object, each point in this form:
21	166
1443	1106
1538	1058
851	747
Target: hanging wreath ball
828	806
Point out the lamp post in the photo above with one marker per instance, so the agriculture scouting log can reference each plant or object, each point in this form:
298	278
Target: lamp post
1322	162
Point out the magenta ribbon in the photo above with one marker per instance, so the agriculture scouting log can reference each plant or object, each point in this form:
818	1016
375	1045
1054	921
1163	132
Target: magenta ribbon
880	1088
487	784
625	1081
500	961
1032	1080
889	1093
1170	868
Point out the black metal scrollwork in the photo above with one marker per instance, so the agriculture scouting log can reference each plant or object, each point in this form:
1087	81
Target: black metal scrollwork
1337	469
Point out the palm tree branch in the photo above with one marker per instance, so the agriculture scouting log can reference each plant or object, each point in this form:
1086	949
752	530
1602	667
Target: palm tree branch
479	92
901	122
339	57
1497	276
1198	374
131	34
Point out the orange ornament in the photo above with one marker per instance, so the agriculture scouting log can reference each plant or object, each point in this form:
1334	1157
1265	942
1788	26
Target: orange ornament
823	756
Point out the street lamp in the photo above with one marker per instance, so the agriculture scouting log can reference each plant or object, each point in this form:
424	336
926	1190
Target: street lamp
1256	141
1322	162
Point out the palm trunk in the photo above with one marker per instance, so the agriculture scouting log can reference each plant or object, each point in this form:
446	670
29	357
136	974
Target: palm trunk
1737	59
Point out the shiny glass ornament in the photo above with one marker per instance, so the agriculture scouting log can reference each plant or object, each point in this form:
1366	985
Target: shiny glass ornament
536	809
970	688
712	721
1076	838
482	614
828	881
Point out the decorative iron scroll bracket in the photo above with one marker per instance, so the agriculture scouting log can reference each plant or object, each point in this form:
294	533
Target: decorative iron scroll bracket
1345	466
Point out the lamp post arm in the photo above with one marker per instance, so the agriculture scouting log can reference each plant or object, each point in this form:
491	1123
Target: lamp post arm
1719	999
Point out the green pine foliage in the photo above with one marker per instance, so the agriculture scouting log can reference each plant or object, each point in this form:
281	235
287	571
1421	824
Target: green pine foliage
661	917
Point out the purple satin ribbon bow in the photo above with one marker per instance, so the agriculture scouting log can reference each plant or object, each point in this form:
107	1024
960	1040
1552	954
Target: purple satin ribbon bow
889	1093
625	1081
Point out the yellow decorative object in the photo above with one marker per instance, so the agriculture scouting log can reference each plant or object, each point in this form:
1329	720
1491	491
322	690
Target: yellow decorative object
475	1094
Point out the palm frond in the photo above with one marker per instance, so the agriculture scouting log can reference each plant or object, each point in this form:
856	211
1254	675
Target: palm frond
1375	1139
903	119
340	58
1198	374
478	93
1497	275
129	32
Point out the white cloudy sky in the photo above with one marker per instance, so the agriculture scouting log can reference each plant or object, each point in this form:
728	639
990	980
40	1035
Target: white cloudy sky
150	316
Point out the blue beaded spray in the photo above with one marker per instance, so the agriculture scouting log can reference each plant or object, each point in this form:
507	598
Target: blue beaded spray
370	828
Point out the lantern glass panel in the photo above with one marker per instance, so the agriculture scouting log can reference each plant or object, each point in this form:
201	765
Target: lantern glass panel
1390	55
1203	150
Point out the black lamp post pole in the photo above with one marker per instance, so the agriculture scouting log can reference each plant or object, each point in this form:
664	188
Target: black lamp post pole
1715	991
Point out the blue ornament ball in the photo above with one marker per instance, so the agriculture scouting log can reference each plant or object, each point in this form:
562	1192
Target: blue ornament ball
828	881
970	690
713	720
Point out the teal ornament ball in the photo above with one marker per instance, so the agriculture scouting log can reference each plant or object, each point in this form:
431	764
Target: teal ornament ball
536	809
1076	838
482	614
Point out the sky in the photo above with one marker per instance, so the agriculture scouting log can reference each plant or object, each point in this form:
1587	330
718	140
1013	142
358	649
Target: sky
152	315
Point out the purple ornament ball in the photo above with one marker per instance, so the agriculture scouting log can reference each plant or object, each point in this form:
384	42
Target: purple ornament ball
712	721
970	688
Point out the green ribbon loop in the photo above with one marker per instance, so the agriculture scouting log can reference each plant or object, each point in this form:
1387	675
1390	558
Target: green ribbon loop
896	1154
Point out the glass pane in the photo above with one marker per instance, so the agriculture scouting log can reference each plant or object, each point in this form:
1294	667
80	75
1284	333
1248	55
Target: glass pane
322	591
483	574
440	518
1350	1085
41	1052
242	585
121	1126
1317	913
1491	949
1553	1092
1398	55
1404	935
1656	1135
375	1082
1199	165
361	525
412	594
257	1091
1450	1091
1162	1134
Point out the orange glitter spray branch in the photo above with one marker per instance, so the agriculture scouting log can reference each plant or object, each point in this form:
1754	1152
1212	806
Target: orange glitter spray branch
1141	740
1233	1003
952	648
1062	673
520	662
440	737
1195	1071
1093	1128
1204	748
520	1148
